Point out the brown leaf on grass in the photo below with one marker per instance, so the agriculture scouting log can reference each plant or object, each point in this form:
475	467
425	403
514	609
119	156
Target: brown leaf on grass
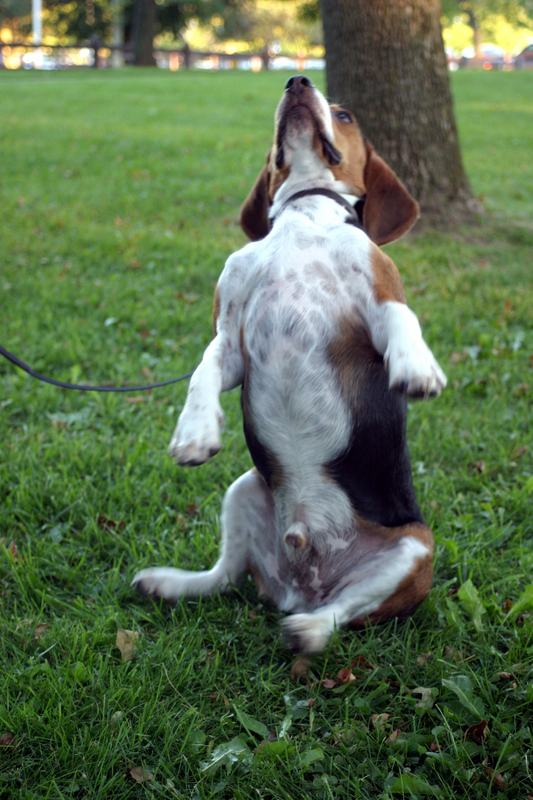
311	702
360	662
495	777
434	747
15	553
394	735
126	643
58	424
507	606
193	510
518	452
423	659
327	683
181	522
451	654
345	676
40	628
141	775
106	524
187	298
477	732
457	357
134	401
426	697
508	676
480	466
300	668
379	720
7	740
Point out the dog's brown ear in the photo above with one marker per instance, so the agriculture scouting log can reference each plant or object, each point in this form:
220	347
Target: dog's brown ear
389	210
254	212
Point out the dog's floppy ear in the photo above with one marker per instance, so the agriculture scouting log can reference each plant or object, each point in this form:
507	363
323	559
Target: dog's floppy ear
389	210
254	212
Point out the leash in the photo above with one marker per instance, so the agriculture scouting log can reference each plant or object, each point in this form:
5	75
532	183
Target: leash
85	387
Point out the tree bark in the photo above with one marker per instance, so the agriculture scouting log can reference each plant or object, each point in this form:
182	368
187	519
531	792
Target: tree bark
143	32
385	61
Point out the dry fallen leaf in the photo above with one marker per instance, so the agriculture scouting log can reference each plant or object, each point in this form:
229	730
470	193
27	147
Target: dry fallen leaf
15	553
394	735
423	659
450	654
426	697
300	667
495	777
478	732
40	628
126	643
141	775
107	524
345	676
327	683
7	740
379	720
116	717
360	662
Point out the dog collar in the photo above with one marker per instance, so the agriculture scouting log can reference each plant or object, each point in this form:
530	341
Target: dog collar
355	212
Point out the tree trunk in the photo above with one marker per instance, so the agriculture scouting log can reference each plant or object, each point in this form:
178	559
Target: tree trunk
143	32
385	61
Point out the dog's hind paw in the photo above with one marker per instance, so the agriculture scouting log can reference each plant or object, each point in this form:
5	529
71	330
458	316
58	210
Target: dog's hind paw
307	633
161	582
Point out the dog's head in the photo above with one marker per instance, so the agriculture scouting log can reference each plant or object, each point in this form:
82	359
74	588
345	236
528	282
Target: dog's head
307	131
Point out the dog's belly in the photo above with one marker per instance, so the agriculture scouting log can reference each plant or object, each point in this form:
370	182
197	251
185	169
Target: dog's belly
295	417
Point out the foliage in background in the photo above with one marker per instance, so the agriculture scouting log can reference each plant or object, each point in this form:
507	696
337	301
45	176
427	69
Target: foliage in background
255	24
506	23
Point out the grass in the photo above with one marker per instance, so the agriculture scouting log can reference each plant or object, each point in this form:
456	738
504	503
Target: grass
119	201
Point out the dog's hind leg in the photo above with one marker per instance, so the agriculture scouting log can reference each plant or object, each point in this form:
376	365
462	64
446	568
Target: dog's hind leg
247	515
390	585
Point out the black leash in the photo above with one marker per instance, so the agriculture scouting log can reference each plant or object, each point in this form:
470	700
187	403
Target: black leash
85	387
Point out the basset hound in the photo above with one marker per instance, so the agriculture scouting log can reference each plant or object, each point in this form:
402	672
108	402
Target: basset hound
311	321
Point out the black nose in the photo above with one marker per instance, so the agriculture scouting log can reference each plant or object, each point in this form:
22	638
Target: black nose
298	82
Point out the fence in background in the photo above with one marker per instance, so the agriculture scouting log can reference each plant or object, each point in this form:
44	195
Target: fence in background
97	56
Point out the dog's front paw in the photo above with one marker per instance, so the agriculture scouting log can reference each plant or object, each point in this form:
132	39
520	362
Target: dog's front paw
197	436
165	582
307	633
413	370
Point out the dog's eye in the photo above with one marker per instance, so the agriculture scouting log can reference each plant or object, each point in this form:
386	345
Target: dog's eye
344	116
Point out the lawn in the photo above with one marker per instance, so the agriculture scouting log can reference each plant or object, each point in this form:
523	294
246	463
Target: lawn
119	196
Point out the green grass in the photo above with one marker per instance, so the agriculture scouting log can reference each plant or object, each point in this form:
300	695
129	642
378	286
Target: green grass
119	200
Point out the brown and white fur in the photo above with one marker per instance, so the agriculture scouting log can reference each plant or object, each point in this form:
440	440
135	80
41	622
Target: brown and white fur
311	321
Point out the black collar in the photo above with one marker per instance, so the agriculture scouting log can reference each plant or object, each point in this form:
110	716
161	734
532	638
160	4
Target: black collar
355	212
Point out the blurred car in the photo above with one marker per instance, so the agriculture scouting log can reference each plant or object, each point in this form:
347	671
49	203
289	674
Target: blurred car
524	60
489	56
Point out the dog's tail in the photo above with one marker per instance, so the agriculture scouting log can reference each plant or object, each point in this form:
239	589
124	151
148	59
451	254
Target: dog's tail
297	538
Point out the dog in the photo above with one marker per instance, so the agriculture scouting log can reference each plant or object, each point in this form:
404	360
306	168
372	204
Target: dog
311	321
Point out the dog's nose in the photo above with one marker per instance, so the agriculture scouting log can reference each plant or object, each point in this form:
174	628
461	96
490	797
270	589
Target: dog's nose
297	83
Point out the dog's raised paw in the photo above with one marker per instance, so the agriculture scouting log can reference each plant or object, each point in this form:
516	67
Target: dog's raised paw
196	439
415	371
